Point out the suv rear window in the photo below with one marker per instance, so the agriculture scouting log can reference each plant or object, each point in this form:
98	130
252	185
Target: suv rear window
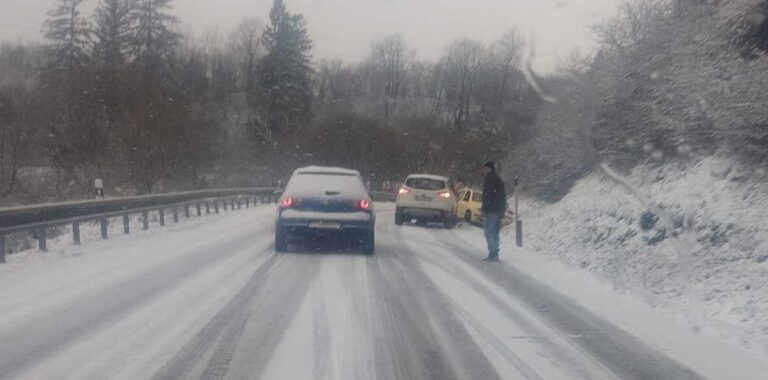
477	196
425	184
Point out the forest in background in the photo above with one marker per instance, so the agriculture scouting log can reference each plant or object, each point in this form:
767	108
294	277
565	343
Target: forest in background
121	95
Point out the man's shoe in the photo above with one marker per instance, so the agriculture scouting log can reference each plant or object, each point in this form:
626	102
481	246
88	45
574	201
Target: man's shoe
490	259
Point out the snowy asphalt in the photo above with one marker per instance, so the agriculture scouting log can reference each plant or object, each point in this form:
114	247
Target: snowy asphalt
221	304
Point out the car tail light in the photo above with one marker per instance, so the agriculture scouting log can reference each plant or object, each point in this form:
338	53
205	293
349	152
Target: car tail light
287	202
404	190
444	194
364	204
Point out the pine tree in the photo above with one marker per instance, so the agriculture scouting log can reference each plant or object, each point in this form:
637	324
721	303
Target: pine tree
284	73
76	143
68	36
115	21
157	138
154	41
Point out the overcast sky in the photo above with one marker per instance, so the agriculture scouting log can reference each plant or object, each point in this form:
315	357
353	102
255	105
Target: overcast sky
345	29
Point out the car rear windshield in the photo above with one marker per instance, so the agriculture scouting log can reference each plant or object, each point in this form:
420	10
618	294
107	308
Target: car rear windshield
317	184
477	196
425	184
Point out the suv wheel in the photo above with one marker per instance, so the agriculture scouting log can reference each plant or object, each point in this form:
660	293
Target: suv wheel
369	242
399	217
449	222
281	240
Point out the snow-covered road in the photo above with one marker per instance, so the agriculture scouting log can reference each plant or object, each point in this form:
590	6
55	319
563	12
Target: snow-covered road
212	300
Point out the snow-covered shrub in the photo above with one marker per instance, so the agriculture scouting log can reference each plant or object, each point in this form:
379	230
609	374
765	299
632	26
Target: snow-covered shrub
677	78
723	280
557	155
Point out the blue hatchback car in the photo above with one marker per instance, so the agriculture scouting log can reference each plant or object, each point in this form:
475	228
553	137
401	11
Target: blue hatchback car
324	200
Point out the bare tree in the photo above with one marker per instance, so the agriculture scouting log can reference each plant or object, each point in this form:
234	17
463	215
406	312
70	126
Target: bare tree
389	63
461	68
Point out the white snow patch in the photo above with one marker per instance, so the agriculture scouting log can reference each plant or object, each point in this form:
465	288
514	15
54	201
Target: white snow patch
721	288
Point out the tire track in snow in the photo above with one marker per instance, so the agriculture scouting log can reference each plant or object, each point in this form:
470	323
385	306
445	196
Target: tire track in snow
620	352
557	351
520	364
323	366
239	341
41	337
416	333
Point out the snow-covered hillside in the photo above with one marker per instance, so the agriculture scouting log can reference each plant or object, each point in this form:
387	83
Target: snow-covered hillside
718	282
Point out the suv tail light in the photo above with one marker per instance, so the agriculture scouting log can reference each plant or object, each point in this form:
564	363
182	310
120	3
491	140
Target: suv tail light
445	194
364	204
287	202
404	190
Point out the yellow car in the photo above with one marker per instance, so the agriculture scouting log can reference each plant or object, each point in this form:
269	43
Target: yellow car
469	208
469	205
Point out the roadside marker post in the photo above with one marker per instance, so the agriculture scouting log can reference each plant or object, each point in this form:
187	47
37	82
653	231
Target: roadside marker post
518	222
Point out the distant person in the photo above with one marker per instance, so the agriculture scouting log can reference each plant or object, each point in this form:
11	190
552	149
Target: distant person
494	207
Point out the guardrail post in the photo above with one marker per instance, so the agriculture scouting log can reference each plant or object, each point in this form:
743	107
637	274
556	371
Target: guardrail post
76	232
186	210
207	208
216	206
224	204
239	203
2	249
199	210
126	224
248	201
145	219
162	216
104	228
42	244
175	215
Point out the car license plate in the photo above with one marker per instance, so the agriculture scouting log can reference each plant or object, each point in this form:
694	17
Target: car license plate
325	225
423	198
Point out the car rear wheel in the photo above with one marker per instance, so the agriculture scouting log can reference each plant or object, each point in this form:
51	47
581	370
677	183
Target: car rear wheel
449	221
281	240
369	242
468	216
399	217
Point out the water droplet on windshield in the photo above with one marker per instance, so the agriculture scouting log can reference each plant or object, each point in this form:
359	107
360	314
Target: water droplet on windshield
684	149
648	147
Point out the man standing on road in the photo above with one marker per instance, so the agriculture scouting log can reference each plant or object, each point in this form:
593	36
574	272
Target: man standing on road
494	207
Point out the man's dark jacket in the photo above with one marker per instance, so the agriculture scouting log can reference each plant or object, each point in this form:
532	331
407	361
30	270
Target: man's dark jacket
494	196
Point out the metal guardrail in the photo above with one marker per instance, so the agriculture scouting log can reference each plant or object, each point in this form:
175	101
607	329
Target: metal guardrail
39	218
16	216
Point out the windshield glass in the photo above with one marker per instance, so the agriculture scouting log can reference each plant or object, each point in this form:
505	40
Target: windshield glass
384	189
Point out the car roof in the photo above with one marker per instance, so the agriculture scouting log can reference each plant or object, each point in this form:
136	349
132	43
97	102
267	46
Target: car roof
429	176
326	170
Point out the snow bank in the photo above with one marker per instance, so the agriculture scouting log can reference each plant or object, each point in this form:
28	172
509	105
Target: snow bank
719	287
